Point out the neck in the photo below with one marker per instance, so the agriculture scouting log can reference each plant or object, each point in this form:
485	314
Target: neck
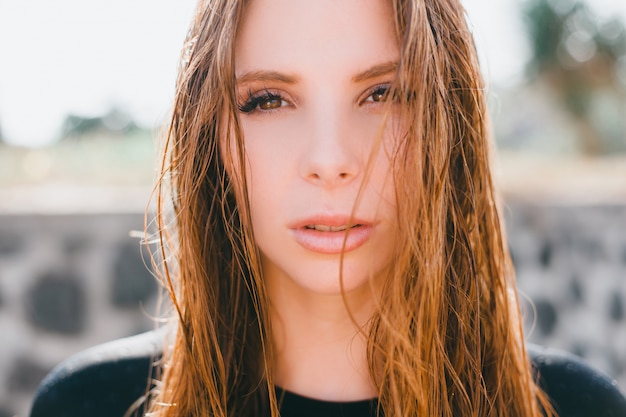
320	347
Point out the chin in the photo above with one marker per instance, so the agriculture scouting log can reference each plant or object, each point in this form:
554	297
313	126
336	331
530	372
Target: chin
326	280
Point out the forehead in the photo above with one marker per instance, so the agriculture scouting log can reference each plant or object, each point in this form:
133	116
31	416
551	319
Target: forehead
315	35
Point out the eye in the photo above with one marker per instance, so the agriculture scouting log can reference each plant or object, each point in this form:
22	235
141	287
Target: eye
262	101
378	94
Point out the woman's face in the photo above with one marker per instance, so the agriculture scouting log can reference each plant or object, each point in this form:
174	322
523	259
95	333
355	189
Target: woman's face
312	77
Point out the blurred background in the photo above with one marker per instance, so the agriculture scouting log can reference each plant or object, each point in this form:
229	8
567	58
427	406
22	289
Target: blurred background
86	85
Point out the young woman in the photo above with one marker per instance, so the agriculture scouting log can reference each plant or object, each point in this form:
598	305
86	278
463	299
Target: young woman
329	229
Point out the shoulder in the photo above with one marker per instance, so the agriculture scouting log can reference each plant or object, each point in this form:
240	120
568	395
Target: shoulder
575	388
102	381
107	379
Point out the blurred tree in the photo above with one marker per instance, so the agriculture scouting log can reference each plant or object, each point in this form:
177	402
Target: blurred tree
114	122
580	58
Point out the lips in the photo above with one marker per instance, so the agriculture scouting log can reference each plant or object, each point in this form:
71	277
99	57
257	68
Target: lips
331	234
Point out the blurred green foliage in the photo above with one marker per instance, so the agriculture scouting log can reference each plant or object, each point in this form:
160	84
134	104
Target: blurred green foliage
582	59
95	159
115	122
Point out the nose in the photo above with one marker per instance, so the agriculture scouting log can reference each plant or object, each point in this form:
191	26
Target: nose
331	156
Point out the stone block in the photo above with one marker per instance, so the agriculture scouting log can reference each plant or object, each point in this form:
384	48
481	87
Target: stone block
56	303
25	375
133	282
10	244
6	412
547	316
616	307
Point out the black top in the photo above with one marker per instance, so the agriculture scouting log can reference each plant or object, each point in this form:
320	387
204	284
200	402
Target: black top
108	379
292	405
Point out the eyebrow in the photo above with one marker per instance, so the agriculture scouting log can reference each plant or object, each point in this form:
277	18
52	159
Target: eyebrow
262	75
376	71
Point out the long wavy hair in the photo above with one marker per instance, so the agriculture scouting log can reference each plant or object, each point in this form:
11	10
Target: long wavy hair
448	339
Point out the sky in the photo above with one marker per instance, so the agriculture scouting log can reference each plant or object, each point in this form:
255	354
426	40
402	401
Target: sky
87	56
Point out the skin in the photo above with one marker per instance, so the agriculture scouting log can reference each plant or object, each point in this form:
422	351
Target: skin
311	83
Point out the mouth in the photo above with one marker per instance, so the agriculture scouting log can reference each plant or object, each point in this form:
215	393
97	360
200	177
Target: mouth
331	234
327	228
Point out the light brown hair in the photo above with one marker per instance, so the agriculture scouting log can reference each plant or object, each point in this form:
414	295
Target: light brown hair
448	339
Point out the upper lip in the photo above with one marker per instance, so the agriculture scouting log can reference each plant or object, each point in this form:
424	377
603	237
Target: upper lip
334	221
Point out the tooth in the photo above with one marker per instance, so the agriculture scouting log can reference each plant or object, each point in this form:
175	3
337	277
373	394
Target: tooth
326	228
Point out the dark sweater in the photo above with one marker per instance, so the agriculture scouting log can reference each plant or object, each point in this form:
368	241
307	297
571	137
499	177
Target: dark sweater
107	379
292	405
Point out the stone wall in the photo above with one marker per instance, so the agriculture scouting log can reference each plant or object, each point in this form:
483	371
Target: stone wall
68	282
571	270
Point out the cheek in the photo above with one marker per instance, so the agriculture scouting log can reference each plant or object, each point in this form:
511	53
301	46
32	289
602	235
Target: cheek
390	148
396	133
383	184
384	178
265	177
400	153
270	150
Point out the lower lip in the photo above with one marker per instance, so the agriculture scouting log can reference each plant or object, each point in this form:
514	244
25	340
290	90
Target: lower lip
332	242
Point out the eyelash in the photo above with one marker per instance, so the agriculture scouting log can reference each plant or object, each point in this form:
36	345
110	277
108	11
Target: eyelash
254	100
382	89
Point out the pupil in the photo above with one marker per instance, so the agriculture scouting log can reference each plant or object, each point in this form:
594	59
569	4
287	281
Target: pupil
379	95
270	103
